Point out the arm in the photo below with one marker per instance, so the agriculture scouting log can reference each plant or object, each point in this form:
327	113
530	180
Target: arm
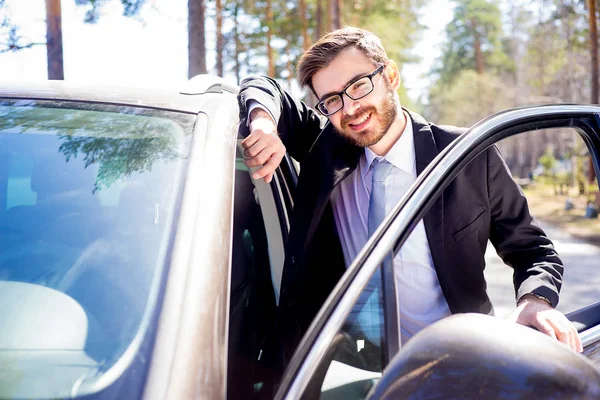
518	240
524	246
297	125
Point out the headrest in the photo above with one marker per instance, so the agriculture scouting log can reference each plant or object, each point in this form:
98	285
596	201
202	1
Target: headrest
39	318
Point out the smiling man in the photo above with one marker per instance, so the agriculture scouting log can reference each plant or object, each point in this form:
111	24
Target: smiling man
361	140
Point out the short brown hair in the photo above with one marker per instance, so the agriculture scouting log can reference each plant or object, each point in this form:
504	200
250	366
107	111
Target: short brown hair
327	48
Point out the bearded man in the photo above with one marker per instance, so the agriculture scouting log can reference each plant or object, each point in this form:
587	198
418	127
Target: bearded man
358	126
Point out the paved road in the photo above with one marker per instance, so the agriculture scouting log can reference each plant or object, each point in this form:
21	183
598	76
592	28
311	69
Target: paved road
581	284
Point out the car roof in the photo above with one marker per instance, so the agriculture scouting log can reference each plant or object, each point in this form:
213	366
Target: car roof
190	98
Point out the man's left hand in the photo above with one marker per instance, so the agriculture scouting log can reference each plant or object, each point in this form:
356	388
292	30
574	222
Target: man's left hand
535	312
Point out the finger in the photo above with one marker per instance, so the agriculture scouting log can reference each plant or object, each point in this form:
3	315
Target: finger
574	341
269	167
572	336
260	158
562	332
544	327
258	148
266	141
577	340
269	177
251	139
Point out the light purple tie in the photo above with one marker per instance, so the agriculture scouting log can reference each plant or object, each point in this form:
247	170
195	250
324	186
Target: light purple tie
377	212
370	315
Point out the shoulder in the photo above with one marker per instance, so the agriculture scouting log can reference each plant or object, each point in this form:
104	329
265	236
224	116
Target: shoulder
445	134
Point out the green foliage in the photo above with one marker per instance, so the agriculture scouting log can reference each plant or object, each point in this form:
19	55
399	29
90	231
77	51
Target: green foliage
472	19
11	38
118	158
119	144
548	162
546	55
469	98
557	42
394	21
130	8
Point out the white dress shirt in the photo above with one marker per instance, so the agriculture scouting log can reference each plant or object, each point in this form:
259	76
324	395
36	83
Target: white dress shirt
420	298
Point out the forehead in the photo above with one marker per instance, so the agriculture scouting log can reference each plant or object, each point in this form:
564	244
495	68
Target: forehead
346	66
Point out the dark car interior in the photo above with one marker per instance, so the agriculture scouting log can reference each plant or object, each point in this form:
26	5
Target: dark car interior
252	307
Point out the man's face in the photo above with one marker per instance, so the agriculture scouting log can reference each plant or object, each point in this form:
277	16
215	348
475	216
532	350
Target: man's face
364	121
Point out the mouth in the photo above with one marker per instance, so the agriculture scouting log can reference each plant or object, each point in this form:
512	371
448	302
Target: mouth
360	123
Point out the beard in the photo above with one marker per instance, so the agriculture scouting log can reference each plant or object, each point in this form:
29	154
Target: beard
371	136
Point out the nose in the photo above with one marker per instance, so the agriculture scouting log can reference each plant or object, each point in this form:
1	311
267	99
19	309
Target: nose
350	106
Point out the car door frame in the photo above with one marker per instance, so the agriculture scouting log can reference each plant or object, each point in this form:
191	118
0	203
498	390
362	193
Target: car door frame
412	207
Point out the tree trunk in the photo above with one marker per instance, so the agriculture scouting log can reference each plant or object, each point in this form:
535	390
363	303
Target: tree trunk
220	39
593	49
304	20
594	59
567	76
319	20
335	9
289	66
54	44
269	36
238	45
477	47
196	38
542	44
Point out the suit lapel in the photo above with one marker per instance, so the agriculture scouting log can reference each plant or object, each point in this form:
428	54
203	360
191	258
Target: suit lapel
425	151
334	159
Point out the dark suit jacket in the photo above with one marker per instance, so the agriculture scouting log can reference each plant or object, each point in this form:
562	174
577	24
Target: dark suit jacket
482	203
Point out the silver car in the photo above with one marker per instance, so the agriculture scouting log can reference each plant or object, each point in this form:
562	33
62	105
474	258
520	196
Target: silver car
139	259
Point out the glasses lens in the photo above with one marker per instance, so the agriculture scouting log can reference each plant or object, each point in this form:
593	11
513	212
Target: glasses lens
330	104
360	88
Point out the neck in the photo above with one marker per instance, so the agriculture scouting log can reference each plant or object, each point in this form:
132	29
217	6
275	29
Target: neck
390	138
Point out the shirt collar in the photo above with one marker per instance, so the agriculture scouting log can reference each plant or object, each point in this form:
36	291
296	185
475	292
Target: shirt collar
401	155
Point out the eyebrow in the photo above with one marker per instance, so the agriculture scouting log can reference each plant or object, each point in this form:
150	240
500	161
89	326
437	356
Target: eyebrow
350	82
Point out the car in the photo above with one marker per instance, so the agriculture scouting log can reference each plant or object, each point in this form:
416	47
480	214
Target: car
139	259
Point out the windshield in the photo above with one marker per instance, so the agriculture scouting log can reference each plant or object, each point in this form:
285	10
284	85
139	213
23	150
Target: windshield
88	194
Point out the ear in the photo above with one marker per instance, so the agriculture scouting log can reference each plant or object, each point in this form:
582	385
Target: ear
392	74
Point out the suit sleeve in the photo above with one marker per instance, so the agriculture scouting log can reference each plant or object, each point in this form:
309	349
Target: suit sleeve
519	241
298	125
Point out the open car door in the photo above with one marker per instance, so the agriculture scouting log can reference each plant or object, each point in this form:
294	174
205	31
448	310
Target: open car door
329	363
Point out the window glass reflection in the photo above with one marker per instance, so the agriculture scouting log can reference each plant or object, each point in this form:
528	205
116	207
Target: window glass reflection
87	201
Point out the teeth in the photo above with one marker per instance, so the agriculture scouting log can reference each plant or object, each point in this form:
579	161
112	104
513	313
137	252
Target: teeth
360	121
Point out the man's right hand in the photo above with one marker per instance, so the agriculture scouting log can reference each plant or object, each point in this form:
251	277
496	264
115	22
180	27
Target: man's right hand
263	147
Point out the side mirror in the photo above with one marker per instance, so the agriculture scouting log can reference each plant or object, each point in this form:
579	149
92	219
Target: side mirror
478	356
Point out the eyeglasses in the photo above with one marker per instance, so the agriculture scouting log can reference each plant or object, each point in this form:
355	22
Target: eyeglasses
355	90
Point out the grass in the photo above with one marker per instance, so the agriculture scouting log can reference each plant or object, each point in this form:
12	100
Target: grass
549	207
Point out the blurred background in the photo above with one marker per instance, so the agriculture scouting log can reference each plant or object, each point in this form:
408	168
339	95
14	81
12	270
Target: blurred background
453	53
461	61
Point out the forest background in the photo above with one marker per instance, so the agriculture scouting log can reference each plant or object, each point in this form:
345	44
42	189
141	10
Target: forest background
488	55
496	54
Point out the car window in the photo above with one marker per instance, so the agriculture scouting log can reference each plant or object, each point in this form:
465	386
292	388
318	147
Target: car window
461	236
540	220
87	202
555	172
355	359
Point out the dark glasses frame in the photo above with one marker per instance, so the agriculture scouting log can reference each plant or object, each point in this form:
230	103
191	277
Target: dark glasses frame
321	105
